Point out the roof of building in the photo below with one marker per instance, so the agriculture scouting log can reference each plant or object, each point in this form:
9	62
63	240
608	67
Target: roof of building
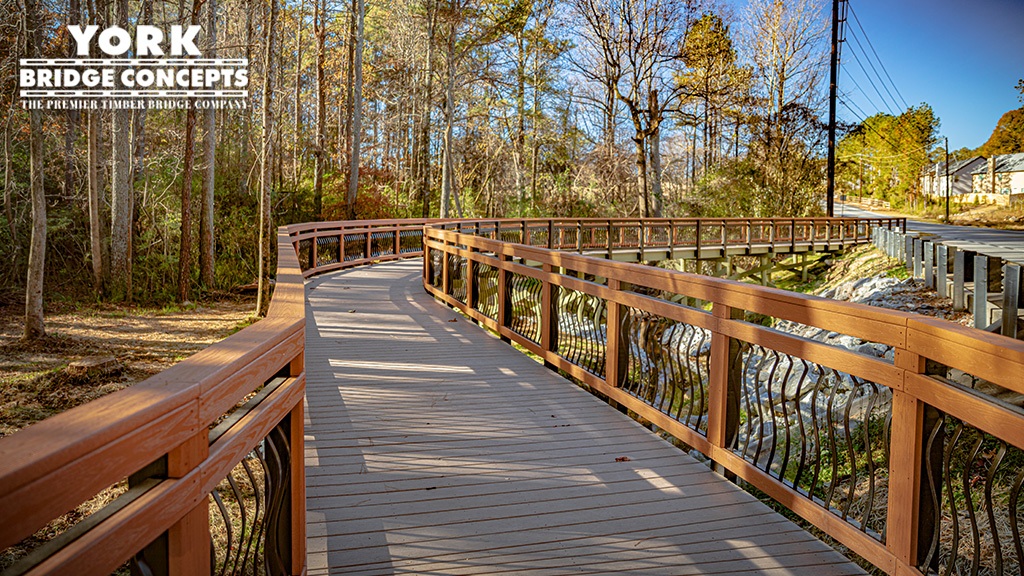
954	166
1004	163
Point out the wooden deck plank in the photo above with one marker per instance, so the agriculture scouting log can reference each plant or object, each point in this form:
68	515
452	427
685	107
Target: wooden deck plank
433	448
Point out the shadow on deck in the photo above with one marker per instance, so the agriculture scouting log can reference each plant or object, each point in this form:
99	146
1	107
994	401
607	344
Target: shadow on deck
432	448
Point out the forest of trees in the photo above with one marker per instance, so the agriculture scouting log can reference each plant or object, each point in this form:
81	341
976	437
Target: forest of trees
405	108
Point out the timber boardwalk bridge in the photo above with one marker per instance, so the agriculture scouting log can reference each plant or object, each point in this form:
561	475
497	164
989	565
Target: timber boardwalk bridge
432	447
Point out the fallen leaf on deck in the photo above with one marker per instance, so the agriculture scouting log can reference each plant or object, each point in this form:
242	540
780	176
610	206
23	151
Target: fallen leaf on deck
622	459
454	320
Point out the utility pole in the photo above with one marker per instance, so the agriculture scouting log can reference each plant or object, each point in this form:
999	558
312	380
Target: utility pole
947	179
830	181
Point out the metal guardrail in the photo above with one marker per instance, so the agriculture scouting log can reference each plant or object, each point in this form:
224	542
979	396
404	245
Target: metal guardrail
880	432
984	284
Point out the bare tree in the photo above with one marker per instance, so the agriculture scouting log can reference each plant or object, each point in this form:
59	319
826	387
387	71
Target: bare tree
263	296
359	8
639	43
206	226
188	161
99	270
320	152
122	191
34	327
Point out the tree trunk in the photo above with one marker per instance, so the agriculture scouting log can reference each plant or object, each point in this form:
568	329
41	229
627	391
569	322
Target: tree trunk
8	212
423	154
655	151
520	154
449	113
641	176
34	328
73	116
357	113
122	192
349	81
320	29
188	160
657	198
297	116
206	226
263	285
95	225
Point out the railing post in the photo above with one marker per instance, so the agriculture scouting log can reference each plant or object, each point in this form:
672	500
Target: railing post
446	261
504	299
724	384
313	261
616	352
471	283
551	234
912	514
792	235
526	233
642	238
579	237
696	244
549	316
398	240
297	493
610	241
188	541
369	245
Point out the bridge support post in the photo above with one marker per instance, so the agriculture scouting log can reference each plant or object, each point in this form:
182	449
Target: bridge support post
929	264
1011	299
942	270
981	292
963	271
908	252
918	261
724	385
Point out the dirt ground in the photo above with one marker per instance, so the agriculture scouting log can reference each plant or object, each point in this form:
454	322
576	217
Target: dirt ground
34	383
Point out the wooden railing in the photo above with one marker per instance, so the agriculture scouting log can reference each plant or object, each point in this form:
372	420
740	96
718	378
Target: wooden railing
326	246
166	444
878	427
228	421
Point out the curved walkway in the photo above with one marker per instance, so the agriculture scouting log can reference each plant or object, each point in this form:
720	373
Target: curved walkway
433	448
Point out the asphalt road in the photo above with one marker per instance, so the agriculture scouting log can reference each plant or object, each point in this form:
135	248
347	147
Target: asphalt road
1006	244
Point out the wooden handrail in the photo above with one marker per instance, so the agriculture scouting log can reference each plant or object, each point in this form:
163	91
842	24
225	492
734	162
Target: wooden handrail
915	387
53	466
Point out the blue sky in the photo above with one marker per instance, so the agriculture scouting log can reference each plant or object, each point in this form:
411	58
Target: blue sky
963	57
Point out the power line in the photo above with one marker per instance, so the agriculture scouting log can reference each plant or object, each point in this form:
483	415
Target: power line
880	63
869	78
